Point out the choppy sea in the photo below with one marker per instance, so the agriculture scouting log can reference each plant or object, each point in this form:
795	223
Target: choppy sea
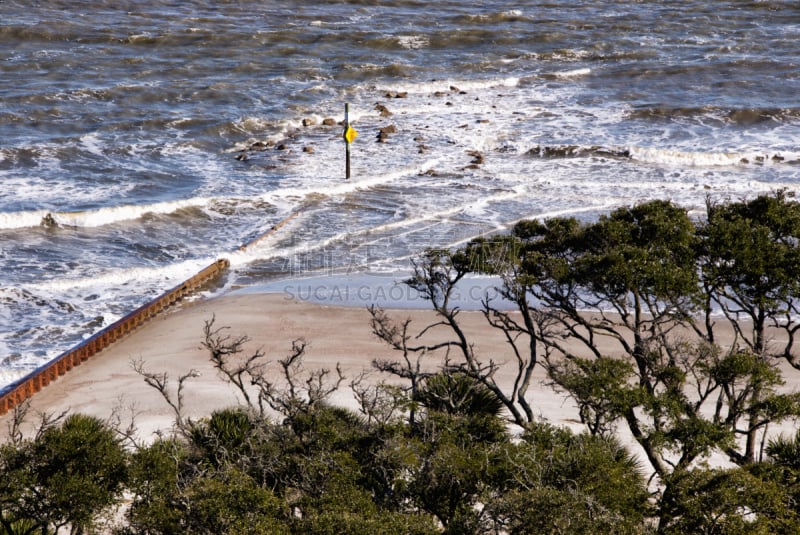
141	140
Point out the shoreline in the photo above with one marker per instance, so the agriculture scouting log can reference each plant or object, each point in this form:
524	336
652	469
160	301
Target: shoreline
360	289
107	386
384	290
171	343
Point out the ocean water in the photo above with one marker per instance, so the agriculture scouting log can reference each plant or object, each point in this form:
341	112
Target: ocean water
141	140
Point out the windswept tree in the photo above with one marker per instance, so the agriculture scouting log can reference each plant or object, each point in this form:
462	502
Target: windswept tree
287	392
566	483
436	276
623	312
285	461
750	260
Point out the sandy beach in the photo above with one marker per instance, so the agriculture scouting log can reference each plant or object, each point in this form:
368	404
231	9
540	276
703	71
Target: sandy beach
171	343
107	385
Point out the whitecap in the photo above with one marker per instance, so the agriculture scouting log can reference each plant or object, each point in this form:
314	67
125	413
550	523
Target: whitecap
92	144
574	73
95	218
461	84
111	278
706	159
12	220
413	41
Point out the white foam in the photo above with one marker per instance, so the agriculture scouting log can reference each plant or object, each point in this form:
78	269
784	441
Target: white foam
254	124
9	375
12	220
270	247
323	184
461	84
99	217
413	41
265	249
574	73
703	159
163	275
92	143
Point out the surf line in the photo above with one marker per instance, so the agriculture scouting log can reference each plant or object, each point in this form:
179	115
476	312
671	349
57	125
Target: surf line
19	391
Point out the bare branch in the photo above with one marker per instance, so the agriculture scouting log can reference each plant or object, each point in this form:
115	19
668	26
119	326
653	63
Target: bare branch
127	431
48	420
18	416
380	403
224	353
161	383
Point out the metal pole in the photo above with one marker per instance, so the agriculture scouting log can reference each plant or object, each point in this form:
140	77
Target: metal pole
346	141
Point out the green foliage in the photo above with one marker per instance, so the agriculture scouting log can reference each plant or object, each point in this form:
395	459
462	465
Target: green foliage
732	501
344	506
654	364
750	260
452	474
231	502
224	437
559	482
595	466
785	452
156	478
693	437
338	522
783	466
175	492
647	250
23	527
458	394
66	476
328	427
560	512
602	388
753	246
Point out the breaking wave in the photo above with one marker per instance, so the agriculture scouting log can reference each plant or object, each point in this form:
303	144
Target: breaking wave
666	156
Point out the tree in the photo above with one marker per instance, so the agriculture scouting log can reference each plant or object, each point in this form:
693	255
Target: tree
158	473
320	469
250	374
436	276
750	257
454	463
620	311
458	394
560	482
62	478
228	501
180	490
740	500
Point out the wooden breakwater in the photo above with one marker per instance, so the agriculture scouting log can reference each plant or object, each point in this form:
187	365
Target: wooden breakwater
22	389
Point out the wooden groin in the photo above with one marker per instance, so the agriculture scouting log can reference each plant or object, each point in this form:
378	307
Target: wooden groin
273	229
22	389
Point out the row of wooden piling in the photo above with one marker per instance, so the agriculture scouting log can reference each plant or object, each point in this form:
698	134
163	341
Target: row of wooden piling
22	389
